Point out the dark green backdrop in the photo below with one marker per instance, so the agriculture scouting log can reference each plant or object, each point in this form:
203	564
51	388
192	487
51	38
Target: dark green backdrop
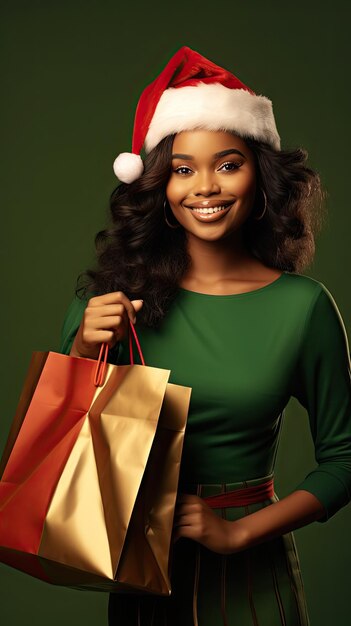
72	73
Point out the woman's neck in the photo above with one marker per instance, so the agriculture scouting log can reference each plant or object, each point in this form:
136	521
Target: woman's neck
222	260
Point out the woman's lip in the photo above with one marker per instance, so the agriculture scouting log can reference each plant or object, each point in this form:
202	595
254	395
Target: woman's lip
211	217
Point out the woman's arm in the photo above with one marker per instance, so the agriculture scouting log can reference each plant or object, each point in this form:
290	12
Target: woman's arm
295	510
196	520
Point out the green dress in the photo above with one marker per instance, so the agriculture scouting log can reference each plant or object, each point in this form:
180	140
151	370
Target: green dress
245	355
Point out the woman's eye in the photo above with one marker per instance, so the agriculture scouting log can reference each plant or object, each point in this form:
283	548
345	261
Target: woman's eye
233	166
230	165
182	167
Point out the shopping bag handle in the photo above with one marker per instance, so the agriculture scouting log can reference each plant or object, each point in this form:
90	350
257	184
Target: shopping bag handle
131	357
101	365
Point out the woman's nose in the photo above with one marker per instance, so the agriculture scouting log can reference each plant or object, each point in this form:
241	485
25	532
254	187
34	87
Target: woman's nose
206	183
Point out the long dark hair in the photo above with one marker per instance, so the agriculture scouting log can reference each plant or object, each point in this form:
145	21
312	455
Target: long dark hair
137	253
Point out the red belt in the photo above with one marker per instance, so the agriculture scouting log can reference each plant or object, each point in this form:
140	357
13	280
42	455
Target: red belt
241	497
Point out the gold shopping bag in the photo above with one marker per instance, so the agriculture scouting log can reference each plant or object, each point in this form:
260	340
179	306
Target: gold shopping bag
90	473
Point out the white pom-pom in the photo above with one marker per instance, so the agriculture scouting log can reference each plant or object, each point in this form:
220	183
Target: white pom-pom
128	167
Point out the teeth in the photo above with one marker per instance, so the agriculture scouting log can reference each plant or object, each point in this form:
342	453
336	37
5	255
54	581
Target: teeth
214	209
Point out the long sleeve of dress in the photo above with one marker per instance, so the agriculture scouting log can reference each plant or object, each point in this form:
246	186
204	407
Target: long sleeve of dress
322	385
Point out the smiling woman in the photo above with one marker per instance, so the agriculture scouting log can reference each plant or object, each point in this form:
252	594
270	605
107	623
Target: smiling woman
207	240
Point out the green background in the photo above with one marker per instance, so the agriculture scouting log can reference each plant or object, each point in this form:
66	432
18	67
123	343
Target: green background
71	75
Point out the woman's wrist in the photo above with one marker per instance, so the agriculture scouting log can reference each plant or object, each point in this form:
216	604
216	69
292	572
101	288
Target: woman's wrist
75	352
239	538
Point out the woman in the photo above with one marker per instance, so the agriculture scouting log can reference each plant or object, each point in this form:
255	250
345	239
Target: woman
212	232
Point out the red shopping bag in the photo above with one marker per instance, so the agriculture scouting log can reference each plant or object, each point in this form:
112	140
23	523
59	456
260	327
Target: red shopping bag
79	503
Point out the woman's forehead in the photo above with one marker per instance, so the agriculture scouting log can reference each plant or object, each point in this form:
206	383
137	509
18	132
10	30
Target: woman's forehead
202	141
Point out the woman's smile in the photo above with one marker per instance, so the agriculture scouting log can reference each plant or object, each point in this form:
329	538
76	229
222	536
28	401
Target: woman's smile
211	214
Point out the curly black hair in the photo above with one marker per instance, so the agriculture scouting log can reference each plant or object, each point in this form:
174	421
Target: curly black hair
141	256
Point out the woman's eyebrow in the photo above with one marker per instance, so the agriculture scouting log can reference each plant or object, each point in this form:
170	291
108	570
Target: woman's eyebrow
217	155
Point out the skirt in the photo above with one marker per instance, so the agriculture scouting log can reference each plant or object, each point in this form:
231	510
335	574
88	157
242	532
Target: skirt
258	586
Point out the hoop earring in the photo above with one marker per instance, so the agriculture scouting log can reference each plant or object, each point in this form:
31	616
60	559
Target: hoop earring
167	222
265	206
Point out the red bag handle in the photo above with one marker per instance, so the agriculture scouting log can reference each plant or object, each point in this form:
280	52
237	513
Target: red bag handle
101	365
131	357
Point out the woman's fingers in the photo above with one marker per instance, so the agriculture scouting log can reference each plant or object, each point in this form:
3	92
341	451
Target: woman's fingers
98	335
116	297
105	310
105	320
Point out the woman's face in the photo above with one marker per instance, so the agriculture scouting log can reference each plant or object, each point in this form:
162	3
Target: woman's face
211	170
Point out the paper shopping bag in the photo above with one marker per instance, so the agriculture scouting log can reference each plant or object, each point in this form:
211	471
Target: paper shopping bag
91	471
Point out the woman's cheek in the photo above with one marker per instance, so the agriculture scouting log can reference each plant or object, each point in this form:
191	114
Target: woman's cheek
176	191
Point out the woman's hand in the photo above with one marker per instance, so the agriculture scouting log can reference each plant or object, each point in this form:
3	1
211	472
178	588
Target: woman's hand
105	320
194	519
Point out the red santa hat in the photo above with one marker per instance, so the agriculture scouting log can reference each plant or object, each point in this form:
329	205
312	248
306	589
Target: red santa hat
192	92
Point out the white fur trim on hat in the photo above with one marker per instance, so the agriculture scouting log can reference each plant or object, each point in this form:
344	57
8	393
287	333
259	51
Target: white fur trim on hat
214	107
128	166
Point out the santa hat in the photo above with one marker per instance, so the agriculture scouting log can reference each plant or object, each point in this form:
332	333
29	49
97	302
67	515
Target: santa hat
192	92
